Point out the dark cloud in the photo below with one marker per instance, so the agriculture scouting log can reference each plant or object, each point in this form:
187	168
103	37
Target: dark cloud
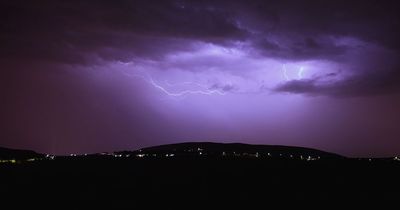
373	21
83	31
89	32
301	49
373	83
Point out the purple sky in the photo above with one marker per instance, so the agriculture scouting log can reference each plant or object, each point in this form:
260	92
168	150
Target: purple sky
90	76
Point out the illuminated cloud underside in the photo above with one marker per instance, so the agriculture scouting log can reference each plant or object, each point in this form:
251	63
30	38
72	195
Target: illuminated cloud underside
93	76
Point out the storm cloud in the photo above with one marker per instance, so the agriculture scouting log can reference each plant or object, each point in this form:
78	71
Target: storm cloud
89	32
107	75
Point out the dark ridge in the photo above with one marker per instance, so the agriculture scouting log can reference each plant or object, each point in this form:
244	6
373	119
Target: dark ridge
208	149
218	148
6	153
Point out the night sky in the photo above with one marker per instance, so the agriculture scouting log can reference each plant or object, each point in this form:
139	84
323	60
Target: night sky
90	76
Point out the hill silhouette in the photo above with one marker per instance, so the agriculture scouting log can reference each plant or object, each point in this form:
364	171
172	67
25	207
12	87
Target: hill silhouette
6	153
201	172
205	149
229	149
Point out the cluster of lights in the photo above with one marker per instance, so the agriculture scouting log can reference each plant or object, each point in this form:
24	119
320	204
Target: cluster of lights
14	161
140	155
50	157
8	161
198	150
258	155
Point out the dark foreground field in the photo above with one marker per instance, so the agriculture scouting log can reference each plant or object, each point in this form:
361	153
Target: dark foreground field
109	182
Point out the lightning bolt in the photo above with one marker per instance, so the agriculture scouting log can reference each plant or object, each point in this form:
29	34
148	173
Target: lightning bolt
185	83
185	92
285	73
299	73
156	85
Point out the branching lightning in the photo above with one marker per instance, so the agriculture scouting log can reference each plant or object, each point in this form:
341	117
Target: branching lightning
185	92
185	83
299	73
